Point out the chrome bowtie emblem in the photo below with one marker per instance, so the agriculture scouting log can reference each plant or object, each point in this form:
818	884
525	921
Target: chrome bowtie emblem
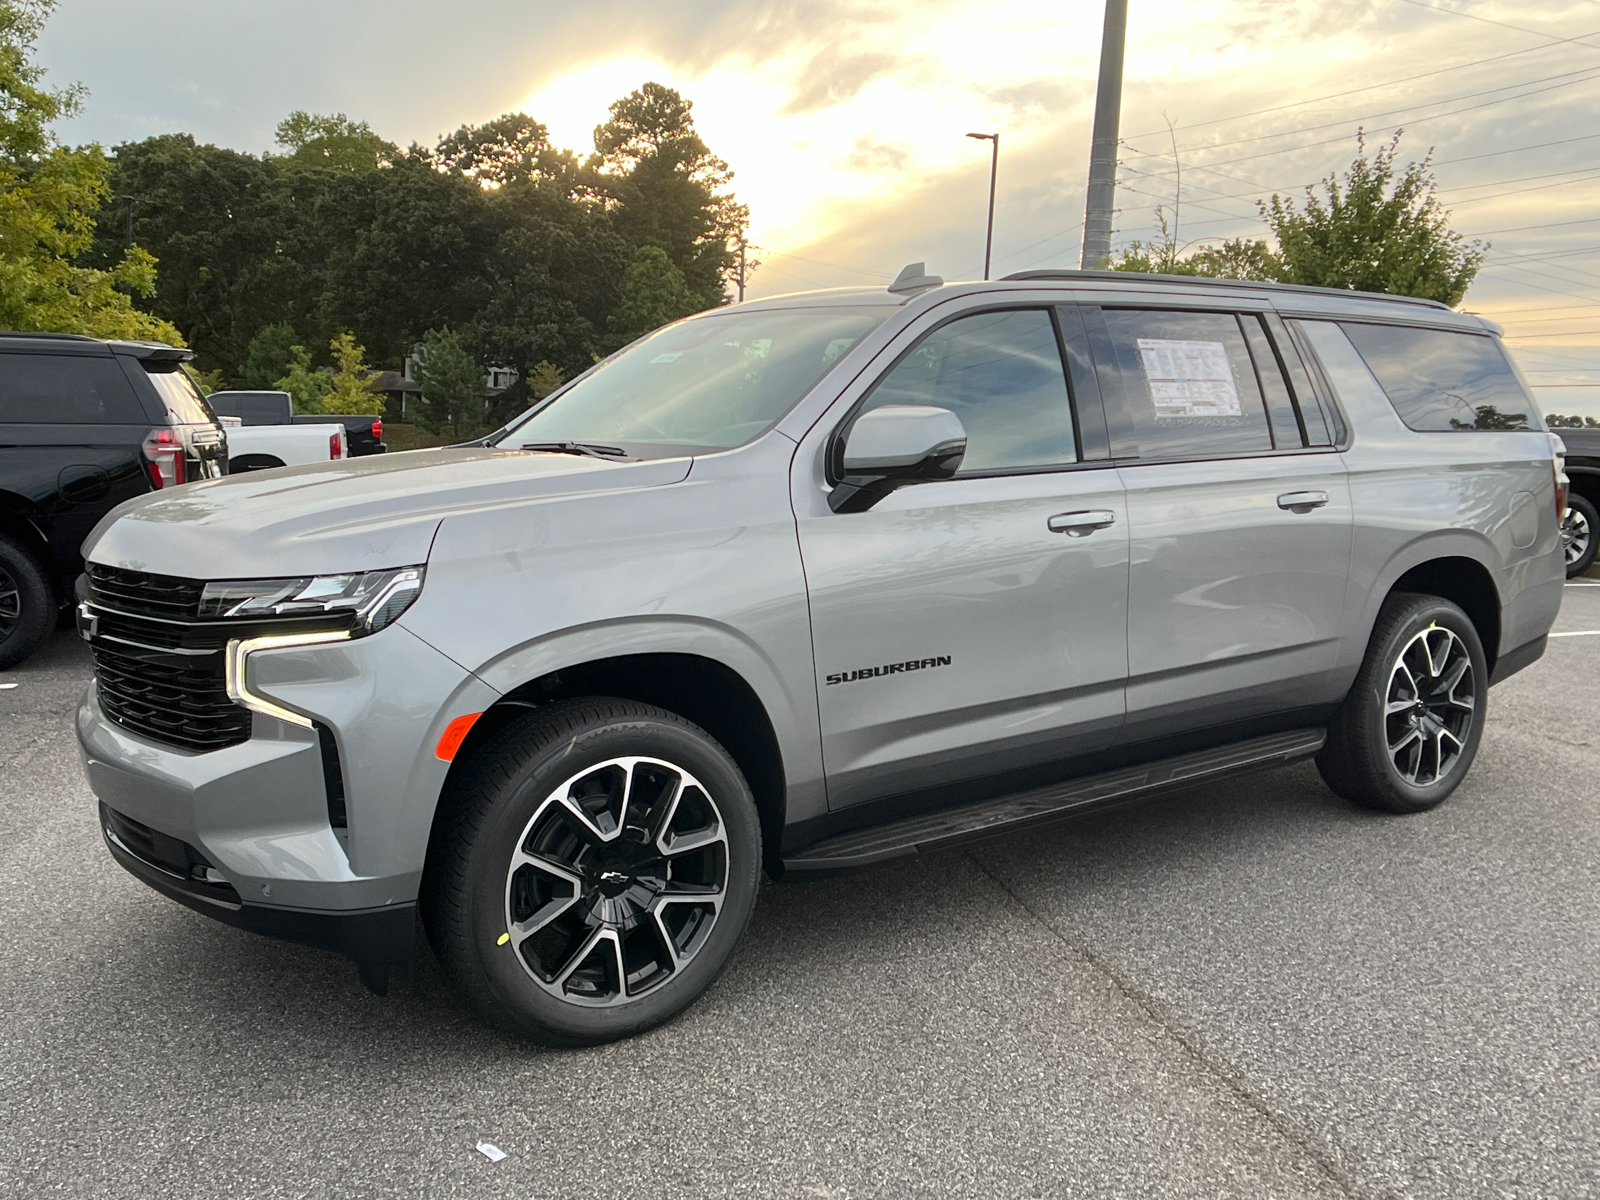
613	877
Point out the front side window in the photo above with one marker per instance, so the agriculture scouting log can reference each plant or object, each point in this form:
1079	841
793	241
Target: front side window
1001	373
710	383
1442	381
65	389
1189	383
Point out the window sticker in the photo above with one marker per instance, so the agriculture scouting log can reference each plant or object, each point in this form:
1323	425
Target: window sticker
1189	379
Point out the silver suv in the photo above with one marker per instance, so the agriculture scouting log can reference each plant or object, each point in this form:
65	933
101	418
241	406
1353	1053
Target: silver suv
805	584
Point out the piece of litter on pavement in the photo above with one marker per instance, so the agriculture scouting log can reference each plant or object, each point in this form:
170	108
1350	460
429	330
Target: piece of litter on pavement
490	1151
6	687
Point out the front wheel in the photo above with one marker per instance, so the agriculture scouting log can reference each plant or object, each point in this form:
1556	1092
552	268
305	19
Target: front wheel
593	868
1409	729
1580	535
27	603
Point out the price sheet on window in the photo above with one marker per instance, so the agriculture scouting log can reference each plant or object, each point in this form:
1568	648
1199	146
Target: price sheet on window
1189	379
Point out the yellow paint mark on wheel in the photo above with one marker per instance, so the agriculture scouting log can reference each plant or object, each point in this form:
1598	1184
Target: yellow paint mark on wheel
504	938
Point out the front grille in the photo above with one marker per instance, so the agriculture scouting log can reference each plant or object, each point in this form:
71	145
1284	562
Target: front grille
158	667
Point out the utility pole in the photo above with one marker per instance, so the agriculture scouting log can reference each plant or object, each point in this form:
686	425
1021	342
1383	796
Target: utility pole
994	170
741	270
1103	149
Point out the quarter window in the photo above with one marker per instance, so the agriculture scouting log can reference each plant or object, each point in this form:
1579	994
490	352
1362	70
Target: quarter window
65	389
1442	381
1001	373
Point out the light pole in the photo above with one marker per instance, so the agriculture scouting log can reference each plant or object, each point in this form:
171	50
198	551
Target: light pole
994	169
1103	148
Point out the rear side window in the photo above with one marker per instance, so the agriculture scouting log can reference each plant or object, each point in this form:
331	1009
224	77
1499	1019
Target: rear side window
252	410
1189	383
63	389
1440	381
183	401
1001	373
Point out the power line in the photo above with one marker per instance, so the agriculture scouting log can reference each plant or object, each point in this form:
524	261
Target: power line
1553	40
1445	162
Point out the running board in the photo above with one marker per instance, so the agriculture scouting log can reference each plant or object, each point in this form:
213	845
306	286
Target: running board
991	818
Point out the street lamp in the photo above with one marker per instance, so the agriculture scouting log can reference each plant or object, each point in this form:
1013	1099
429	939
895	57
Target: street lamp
994	168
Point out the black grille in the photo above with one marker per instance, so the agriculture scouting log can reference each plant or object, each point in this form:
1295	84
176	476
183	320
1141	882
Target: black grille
160	668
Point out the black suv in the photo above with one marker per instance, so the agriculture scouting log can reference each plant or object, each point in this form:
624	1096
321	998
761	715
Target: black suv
84	425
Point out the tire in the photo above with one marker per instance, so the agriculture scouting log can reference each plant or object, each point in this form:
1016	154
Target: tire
578	943
27	603
1409	760
1580	534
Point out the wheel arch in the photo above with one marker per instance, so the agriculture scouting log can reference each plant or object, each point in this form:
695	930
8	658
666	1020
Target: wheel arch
16	521
1466	583
700	689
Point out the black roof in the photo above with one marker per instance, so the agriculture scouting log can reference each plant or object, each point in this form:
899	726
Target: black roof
1212	281
14	339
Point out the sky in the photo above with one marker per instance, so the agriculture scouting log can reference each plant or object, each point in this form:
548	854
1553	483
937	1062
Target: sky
845	120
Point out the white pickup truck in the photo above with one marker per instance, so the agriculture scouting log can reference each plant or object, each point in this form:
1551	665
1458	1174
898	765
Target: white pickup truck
258	447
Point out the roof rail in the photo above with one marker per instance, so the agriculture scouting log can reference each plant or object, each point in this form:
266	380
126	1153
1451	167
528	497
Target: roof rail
62	337
1211	281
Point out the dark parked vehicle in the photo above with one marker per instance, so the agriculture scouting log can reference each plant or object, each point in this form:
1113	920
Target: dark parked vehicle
363	433
84	425
1580	523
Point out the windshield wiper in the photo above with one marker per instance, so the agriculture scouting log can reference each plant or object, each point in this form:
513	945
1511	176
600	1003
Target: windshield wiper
592	449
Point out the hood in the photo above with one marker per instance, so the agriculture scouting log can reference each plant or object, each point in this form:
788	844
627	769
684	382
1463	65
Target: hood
359	514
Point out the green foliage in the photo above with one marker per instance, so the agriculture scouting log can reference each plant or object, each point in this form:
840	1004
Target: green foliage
513	148
207	381
268	357
352	390
543	378
1557	421
49	199
653	293
1379	229
307	387
335	142
452	386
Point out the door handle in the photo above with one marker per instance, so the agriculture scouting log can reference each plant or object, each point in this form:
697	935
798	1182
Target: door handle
1302	502
1081	524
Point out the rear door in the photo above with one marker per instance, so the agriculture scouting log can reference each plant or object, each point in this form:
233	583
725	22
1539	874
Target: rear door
1240	520
970	630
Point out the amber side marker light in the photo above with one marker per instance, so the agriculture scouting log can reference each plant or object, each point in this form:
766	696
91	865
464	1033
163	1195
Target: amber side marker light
454	734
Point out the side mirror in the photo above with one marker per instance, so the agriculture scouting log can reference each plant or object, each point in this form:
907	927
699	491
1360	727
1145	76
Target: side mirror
893	446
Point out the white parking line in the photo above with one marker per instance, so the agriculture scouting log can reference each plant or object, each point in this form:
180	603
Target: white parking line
1578	633
1583	585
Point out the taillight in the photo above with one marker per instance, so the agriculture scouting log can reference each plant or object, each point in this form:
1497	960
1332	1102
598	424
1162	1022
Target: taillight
163	452
335	446
1558	468
377	429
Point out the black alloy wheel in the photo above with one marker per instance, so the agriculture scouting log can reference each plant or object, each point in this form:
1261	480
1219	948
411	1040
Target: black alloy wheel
1580	535
1409	729
27	603
592	867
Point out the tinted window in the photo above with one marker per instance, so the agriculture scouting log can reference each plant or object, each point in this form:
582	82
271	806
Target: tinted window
1189	383
252	410
1286	432
1443	381
1001	373
61	389
708	383
184	403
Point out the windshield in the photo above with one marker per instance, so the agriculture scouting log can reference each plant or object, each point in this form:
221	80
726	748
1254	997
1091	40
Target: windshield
708	384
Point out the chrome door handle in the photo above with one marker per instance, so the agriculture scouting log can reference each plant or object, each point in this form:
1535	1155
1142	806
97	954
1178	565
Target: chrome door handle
1302	502
1081	524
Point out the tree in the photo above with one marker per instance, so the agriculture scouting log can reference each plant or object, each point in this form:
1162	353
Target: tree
544	378
337	142
653	293
49	198
452	385
352	390
269	355
1557	421
513	148
1234	258
308	388
669	190
1379	229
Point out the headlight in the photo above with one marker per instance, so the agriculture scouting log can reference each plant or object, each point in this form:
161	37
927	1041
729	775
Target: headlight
375	598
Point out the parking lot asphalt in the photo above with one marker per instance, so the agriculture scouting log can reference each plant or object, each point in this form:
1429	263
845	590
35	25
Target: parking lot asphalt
1248	989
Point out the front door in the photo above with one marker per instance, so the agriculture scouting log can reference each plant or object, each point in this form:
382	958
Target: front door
972	629
1240	525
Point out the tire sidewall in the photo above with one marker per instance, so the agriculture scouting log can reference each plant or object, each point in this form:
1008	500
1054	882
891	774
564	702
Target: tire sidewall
1592	516
522	1003
37	600
1420	615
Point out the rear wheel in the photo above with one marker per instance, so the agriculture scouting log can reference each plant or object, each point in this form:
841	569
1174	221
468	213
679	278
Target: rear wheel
595	866
27	604
1580	535
1408	731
